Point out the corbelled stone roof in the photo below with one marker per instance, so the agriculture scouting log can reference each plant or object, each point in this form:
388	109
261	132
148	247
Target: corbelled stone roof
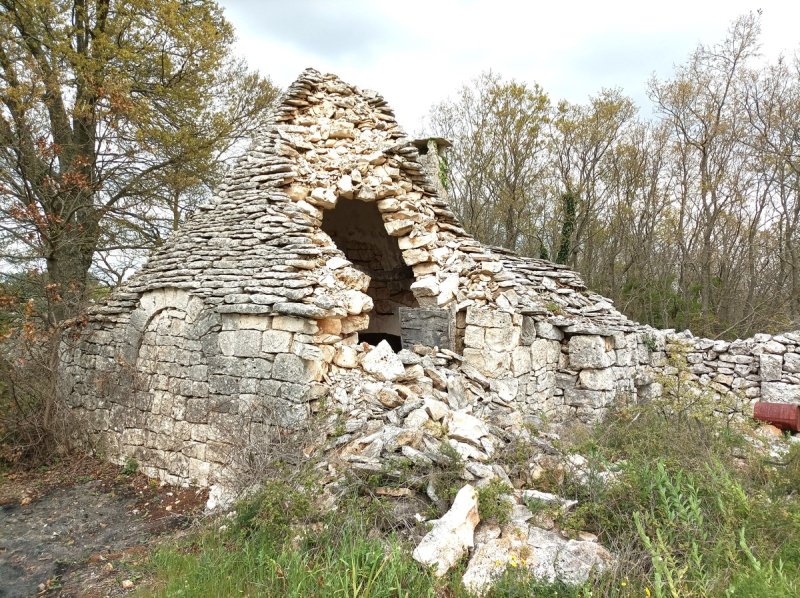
258	246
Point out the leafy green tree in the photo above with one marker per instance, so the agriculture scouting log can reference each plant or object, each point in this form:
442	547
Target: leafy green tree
499	159
113	117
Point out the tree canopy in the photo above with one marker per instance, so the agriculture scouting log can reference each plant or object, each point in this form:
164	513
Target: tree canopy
114	115
688	218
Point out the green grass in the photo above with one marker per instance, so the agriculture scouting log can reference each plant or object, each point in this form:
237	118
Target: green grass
686	517
694	511
277	545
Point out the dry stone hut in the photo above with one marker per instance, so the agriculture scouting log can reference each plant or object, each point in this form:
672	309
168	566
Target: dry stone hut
329	237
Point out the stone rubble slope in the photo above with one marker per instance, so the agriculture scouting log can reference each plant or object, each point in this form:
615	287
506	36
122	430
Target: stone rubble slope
408	419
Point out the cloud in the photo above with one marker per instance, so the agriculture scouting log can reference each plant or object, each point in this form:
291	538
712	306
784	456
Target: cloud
334	29
419	52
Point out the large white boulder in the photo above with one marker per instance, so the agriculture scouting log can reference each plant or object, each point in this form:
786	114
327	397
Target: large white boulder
383	363
452	535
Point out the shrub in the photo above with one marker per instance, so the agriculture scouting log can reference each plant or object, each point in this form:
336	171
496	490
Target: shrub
685	517
493	506
33	424
131	467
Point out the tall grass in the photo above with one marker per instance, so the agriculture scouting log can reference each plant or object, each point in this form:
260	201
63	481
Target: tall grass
686	516
694	511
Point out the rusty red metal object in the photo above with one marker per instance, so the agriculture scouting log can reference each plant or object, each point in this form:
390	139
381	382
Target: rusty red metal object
785	416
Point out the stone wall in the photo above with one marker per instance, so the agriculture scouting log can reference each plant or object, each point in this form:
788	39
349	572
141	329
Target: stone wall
184	388
249	315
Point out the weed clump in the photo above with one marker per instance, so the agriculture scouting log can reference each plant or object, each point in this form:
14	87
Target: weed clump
493	503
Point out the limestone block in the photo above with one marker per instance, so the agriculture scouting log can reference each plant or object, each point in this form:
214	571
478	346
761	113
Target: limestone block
416	242
725	379
543	353
398	228
292	324
276	341
474	337
780	392
437	410
447	290
624	357
132	437
569	561
240	343
502	339
322	197
528	332
424	269
466	428
291	368
488	318
413	257
775	347
791	363
354	323
770	366
425	287
198	471
452	535
356	302
489	363
416	419
493	556
383	363
585	398
521	361
346	357
597	379
588	352
548	331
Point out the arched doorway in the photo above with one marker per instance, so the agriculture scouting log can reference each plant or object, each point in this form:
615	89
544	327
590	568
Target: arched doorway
358	231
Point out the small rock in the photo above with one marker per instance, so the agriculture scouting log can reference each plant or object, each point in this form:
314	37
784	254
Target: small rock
467	428
436	409
548	498
127	584
416	419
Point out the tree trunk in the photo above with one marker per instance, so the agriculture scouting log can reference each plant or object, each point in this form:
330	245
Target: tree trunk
68	264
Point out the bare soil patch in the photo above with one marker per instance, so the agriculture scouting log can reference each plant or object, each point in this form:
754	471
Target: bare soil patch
80	527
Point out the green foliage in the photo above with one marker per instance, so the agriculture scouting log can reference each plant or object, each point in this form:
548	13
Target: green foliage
444	172
493	504
446	478
685	516
555	308
568	204
273	510
649	341
131	467
115	116
516	457
337	555
336	558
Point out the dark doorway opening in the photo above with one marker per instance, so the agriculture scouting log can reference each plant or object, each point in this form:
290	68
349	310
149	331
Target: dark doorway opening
357	229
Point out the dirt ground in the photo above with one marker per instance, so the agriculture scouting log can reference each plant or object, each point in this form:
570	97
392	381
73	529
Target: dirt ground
82	528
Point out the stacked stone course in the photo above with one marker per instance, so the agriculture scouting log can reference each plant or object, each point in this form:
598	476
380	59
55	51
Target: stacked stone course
248	317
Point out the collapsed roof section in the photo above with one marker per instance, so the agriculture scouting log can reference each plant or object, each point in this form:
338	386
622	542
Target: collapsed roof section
260	248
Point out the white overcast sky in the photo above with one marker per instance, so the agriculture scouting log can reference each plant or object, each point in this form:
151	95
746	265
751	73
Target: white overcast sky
419	52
